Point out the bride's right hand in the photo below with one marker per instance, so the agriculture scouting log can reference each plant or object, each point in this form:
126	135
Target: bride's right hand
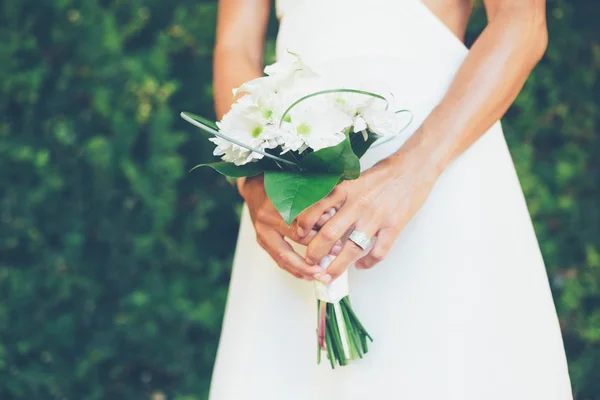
271	229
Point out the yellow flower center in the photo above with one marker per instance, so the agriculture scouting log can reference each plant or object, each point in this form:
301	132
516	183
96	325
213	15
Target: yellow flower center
257	131
303	129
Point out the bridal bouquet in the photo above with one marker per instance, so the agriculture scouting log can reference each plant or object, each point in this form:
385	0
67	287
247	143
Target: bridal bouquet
305	133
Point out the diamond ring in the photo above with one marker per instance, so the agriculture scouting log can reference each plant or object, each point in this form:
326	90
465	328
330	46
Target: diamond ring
361	239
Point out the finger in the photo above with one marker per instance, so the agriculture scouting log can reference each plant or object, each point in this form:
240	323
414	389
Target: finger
383	243
281	227
306	239
284	267
292	232
349	254
337	248
323	219
285	256
270	218
329	234
306	221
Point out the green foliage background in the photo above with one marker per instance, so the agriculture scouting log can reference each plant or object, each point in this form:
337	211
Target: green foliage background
112	285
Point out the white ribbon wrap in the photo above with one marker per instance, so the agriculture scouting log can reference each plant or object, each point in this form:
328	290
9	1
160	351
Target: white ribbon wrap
336	290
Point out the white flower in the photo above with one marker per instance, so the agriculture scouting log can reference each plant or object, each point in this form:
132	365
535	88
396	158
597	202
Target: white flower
267	98
281	76
247	125
385	122
290	69
379	117
257	86
352	103
369	112
380	122
320	121
315	123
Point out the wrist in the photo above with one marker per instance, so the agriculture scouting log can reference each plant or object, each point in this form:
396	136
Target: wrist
246	185
240	182
422	154
429	147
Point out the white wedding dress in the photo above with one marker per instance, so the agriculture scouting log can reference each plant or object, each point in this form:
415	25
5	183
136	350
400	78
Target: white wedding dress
461	308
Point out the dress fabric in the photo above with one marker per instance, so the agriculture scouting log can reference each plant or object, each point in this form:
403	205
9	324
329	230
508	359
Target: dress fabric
461	308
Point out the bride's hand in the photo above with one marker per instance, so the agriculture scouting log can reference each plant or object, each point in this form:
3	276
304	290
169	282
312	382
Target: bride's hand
271	230
379	203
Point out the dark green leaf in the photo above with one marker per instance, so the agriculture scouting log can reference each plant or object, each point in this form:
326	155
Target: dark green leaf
338	159
293	193
360	145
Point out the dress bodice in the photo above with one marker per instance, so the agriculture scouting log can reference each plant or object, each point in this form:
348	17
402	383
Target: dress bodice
396	44
283	6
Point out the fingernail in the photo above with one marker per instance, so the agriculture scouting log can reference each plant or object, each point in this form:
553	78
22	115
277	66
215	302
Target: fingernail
325	278
300	232
337	249
317	275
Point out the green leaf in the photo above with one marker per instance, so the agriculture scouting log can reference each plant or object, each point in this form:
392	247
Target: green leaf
235	171
292	193
360	145
339	159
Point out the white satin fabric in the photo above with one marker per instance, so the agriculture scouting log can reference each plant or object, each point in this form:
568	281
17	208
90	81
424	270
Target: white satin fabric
461	309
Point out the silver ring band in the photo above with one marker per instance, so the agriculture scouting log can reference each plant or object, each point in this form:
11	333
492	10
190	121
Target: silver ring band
361	240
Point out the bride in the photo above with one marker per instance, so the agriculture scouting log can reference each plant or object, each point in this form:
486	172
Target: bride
454	290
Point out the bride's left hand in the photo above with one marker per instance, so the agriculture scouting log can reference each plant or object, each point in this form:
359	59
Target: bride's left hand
379	203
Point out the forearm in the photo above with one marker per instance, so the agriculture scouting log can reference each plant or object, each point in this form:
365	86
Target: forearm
232	67
484	87
241	28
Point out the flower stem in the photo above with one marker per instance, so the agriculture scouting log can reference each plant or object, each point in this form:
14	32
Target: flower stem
332	329
352	335
318	349
341	327
340	333
355	318
330	347
330	353
322	313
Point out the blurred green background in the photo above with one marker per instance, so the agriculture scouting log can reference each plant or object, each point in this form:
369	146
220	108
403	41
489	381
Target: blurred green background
112	286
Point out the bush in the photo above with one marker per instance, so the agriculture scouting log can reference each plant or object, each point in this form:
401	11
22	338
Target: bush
112	285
